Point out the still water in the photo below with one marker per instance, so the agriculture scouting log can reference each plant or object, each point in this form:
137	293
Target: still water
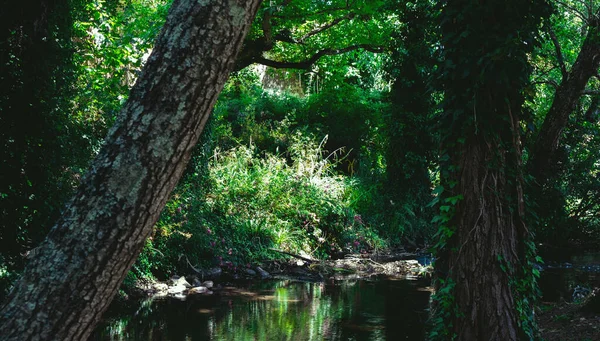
566	273
384	309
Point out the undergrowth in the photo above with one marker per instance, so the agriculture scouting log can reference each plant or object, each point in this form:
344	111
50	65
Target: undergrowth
258	201
271	172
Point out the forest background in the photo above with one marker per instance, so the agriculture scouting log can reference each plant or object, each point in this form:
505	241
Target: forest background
325	140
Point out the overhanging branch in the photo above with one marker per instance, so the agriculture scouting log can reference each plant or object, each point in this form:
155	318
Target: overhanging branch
306	64
543	154
327	26
575	11
549	82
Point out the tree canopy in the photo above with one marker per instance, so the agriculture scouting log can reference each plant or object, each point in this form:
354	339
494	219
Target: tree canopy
464	128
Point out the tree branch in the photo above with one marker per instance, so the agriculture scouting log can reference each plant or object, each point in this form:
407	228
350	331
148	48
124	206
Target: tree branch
577	12
567	94
584	206
253	50
549	82
318	30
307	63
559	55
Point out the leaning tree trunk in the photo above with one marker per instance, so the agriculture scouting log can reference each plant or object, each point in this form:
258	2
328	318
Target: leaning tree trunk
75	273
482	251
542	164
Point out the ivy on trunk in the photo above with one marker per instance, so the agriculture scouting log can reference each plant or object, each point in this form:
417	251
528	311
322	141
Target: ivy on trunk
484	281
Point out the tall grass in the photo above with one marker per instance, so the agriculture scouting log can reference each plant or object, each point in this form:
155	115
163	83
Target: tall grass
273	173
257	201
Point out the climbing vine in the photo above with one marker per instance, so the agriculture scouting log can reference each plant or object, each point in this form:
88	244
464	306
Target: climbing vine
484	252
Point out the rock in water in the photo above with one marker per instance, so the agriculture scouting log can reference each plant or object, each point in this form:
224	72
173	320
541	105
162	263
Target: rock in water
180	297
197	290
214	272
177	289
160	287
196	282
262	273
181	281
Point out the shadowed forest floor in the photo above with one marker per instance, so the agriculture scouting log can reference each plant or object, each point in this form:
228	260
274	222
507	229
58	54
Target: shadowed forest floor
566	322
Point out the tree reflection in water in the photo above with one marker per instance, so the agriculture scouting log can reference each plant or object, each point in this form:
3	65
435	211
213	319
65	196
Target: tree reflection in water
282	310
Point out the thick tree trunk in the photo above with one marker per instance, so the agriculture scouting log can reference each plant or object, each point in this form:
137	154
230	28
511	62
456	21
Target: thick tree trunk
488	242
483	247
570	90
76	272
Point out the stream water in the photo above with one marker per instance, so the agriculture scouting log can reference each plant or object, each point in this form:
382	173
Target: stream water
383	309
283	310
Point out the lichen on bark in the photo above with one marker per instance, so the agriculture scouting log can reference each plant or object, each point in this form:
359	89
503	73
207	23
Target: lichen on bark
77	271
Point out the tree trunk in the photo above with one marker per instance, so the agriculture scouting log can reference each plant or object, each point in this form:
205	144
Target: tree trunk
489	241
75	273
543	155
481	254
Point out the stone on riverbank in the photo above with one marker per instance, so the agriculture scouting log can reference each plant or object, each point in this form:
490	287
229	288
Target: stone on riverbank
176	289
262	272
177	281
199	290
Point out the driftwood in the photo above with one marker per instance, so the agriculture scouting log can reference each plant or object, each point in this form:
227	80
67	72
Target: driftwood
308	260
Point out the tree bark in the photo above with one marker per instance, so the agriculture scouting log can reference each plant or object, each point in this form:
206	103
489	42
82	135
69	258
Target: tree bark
568	93
489	241
483	246
75	273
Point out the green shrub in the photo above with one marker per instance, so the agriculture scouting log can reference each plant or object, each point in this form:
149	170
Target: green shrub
257	201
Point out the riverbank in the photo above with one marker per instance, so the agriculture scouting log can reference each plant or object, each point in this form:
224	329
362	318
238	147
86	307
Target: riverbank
389	264
557	321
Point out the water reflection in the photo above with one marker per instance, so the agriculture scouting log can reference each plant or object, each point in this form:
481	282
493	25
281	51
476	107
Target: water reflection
283	310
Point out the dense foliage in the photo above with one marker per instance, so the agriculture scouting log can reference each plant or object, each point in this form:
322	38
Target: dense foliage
325	141
270	175
564	186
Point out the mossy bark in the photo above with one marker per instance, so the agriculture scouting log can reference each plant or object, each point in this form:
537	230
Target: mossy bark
75	273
